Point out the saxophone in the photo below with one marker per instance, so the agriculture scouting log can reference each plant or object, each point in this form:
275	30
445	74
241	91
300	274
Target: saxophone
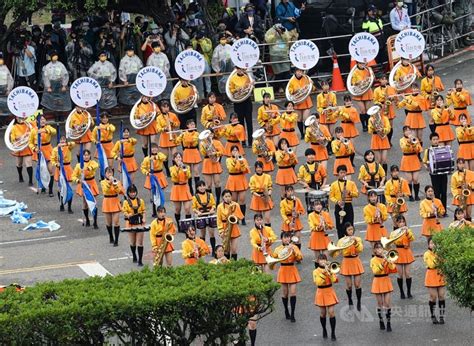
378	125
167	238
465	192
226	236
386	103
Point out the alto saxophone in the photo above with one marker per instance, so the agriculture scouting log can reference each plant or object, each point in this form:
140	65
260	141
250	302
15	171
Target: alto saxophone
226	236
465	192
167	238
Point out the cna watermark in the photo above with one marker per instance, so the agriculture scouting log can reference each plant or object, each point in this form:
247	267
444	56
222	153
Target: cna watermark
410	312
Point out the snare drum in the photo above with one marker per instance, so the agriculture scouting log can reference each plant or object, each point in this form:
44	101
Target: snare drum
317	195
441	160
210	221
184	225
378	191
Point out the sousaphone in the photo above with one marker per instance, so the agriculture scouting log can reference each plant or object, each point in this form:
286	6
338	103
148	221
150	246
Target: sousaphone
405	80
80	130
301	94
184	106
241	94
364	85
140	121
22	142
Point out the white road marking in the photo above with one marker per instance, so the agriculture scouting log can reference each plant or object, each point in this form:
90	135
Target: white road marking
94	269
119	258
32	240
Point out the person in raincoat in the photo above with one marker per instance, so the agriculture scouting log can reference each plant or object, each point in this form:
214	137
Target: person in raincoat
6	85
55	80
105	73
128	69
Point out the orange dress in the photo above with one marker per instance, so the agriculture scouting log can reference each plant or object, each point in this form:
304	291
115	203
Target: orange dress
433	278
381	269
257	244
142	109
457	181
164	122
67	158
441	118
46	147
312	174
465	137
410	161
210	165
128	154
430	84
288	125
78	120
287	207
90	167
189	141
111	192
224	210
342	152
286	163
415	106
211	115
460	100
349	117
318	147
372	173
431	224
180	190
237	180
193	250
351	264
134	207
381	95
157	160
323	101
379	139
288	273
405	254
18	132
393	189
319	223
296	84
267	165
158	228
268	118
235	134
359	75
258	185
375	228
106	136
325	294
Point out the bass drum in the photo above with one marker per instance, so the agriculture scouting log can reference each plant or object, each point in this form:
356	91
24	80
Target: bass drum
184	106
241	94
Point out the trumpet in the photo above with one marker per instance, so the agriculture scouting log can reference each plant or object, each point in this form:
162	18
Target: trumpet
390	256
345	141
332	268
289	151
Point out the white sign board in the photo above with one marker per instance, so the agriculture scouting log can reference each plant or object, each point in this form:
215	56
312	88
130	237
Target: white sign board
23	102
363	47
151	81
409	44
189	64
244	53
304	54
85	92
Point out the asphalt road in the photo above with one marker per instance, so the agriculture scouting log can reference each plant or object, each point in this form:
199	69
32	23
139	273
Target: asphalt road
77	252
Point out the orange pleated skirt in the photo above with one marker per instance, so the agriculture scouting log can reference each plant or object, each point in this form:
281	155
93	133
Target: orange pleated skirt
287	227
381	284
391	112
325	296
433	278
67	169
430	227
343	161
466	151
405	256
375	231
470	200
234	231
367	96
111	205
445	133
169	246
351	266
130	163
378	143
321	152
237	182
410	163
191	155
25	152
161	180
276	131
108	146
228	145
291	137
46	151
257	256
286	176
165	141
306	104
87	138
415	120
92	185
288	274
211	167
150	130
258	204
267	165
318	241
180	193
324	119
350	131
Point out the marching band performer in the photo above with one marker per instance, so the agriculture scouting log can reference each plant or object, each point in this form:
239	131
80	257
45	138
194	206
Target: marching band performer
460	219
21	132
66	149
343	150
325	296
286	161
144	109
288	120
360	77
410	164
396	190
235	135
415	104
288	275
465	138
241	81
261	239
303	108
191	156
219	257
291	209
462	187
193	247
105	73
182	96
180	193
90	167
405	255
47	132
341	193
431	209
441	116
237	183
261	188
326	106
212	150
349	117
159	228
460	99
106	135
351	266
134	212
379	128
225	210
434	281
153	164
319	222
382	285
383	96
371	174
312	175
204	204
166	122
438	181
375	214
213	115
265	150
404	71
269	118
128	144
111	207
430	87
78	120
318	135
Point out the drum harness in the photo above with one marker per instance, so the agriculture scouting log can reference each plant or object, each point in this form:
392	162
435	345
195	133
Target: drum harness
136	218
372	181
313	184
204	206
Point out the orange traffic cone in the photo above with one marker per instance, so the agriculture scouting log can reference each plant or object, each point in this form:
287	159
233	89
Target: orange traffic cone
337	82
370	64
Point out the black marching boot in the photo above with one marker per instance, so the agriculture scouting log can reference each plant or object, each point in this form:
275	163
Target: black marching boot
61	204
349	296
116	234
243	208
332	322
381	323
408	281
359	295
212	240
417	191
293	307
253	336
86	215
20	174
190	183
111	235
400	286
140	255
69	207
323	324
432	312
95	221
389	325
285	305
133	248
50	186
442	307
29	170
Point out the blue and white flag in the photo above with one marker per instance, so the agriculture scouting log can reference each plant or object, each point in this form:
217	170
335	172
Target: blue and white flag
42	173
103	163
157	195
65	189
89	197
126	180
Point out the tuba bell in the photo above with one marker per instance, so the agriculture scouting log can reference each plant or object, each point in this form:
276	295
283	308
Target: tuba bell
20	143
184	106
397	234
301	94
140	121
242	93
363	86
77	131
343	243
404	81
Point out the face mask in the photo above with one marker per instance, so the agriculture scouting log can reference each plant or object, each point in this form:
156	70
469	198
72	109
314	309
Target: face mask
54	58
154	31
103	58
130	54
192	16
400	4
157	50
250	13
223	42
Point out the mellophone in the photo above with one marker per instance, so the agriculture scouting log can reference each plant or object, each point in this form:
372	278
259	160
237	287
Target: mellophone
201	222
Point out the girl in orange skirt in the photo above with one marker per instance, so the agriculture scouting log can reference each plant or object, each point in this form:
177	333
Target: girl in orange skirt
153	164
325	296
111	189
235	135
238	167
204	207
167	121
396	187
462	179
431	209
371	174
46	134
431	85
261	188
79	119
288	120
291	209
189	141
382	285
128	143
212	114
326	106
66	149
351	266
460	99
106	135
441	115
269	118
319	222
363	101
349	117
148	133
224	211
383	96
286	162
415	104
405	255
21	132
288	275
434	281
379	128
303	108
159	227
264	155
193	248
319	140
134	212
90	167
180	194
375	214
465	137
212	150
261	239
410	164
343	150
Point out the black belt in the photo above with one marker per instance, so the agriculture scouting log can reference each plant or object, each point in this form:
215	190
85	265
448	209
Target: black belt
351	256
347	122
236	173
106	141
158	171
47	143
287	264
467	142
66	163
399	246
288	130
460	108
313	143
343	157
233	141
91	178
415	111
285	167
159	236
190	147
431	217
409	154
380	275
325	286
110	196
125	156
180	183
442	124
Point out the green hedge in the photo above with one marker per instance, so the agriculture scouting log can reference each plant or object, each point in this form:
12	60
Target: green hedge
145	307
455	248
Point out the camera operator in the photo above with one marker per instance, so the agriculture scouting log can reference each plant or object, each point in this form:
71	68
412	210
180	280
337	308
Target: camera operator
154	35
132	36
79	56
24	59
6	85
